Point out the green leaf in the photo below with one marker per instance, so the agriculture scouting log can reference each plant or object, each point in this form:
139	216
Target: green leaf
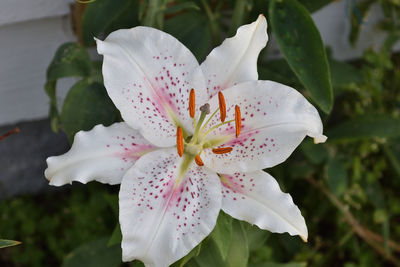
50	88
239	249
94	254
238	252
337	177
116	236
314	5
4	243
185	260
256	237
316	153
366	126
195	35
222	233
105	16
70	60
273	264
302	46
344	74
86	105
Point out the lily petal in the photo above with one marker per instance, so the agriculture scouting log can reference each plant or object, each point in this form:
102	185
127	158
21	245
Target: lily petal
256	198
103	154
235	60
275	119
165	213
148	75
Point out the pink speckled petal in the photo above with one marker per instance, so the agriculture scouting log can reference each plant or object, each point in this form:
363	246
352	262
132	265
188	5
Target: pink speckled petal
275	119
256	198
235	60
148	75
103	154
163	216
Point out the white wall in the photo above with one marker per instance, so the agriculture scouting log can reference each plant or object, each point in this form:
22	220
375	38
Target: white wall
32	30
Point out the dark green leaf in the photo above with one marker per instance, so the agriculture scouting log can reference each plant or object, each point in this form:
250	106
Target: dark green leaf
94	254
273	264
116	236
8	243
316	153
70	60
50	88
302	46
185	260
222	233
278	71
314	5
337	177
86	105
344	74
366	126
105	16
195	35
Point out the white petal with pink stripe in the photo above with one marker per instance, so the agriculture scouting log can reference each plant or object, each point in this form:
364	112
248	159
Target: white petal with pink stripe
148	75
235	60
164	213
256	198
275	119
103	154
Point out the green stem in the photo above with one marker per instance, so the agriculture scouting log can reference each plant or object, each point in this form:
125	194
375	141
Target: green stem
199	123
392	158
239	13
213	22
208	120
151	14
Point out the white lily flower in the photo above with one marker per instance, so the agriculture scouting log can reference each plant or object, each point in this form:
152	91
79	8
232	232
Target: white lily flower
179	166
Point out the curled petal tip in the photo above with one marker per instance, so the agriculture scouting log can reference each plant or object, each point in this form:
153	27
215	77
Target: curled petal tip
304	238
320	139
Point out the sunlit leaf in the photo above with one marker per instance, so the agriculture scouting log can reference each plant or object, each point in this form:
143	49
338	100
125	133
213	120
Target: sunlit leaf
8	243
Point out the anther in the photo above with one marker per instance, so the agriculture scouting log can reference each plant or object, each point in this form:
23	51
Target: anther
222	106
198	161
238	121
192	103
179	141
222	150
205	108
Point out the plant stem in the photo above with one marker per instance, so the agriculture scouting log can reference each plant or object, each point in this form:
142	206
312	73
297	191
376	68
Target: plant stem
213	23
151	13
239	13
364	233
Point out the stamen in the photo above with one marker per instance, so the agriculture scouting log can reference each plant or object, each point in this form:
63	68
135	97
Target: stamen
15	130
192	103
222	150
179	141
198	161
238	121
222	106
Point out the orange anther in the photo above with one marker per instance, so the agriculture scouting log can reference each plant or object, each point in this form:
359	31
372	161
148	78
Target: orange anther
15	130
222	106
238	120
179	141
198	161
222	150
192	103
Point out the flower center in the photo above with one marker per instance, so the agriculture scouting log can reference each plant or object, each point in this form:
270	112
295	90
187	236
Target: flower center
194	145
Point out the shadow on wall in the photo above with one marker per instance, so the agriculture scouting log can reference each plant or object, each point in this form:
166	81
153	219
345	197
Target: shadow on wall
23	157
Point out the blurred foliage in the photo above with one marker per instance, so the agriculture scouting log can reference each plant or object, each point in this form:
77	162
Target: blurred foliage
347	188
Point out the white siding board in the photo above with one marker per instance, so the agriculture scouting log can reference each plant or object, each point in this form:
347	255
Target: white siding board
12	11
26	50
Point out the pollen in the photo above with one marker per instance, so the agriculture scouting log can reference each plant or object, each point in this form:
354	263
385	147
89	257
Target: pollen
179	141
192	103
222	106
238	120
222	150
198	161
